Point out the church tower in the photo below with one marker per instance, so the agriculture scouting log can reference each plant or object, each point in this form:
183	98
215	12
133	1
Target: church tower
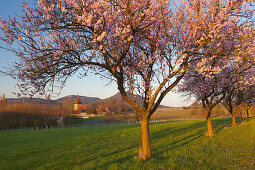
77	104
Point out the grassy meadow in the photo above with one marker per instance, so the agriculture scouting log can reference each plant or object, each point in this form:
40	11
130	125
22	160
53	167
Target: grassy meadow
175	145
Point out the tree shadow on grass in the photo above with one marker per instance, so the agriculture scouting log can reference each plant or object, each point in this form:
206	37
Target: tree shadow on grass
184	135
112	159
116	161
219	124
175	131
181	136
155	135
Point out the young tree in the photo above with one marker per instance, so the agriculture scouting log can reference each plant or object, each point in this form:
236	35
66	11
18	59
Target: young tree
228	103
235	98
223	87
249	99
237	92
205	89
145	44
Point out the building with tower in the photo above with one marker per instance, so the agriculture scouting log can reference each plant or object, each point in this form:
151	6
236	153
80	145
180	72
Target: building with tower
81	110
77	104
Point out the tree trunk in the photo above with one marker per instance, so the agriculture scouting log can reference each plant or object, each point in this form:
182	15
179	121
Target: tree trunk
209	124
146	146
233	120
241	117
247	112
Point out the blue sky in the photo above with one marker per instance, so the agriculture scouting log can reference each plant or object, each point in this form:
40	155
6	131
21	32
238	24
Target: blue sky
91	86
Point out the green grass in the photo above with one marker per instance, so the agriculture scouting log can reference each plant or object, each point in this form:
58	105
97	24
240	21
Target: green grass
175	145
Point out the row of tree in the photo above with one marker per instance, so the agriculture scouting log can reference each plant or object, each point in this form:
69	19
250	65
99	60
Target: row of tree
226	87
34	115
221	110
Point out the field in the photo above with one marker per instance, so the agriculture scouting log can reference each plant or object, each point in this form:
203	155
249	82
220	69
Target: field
178	113
175	145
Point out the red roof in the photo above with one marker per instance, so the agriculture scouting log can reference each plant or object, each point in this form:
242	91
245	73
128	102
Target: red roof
84	107
77	100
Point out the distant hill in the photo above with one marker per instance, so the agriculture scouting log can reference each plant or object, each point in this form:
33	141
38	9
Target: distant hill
117	97
84	99
23	100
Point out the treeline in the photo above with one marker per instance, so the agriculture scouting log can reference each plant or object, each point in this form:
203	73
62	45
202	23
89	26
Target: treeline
112	106
34	115
196	109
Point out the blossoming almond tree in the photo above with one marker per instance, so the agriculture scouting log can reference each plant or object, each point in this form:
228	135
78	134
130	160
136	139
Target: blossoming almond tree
145	46
206	89
213	89
229	102
236	95
249	99
213	85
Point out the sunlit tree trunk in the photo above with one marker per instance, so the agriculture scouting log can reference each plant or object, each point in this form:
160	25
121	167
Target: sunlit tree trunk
209	126
233	119
209	123
146	146
247	112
